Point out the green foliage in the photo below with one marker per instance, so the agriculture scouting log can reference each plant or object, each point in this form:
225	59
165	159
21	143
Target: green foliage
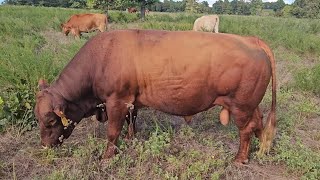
277	32
298	158
286	11
306	8
309	79
191	6
122	17
25	56
91	3
256	7
279	5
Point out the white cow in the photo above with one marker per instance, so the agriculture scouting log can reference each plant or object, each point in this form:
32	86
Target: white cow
207	23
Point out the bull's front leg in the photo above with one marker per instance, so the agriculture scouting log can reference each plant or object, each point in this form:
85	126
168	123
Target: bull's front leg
116	110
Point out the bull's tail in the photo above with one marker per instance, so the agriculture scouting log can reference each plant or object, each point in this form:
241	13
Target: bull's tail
269	130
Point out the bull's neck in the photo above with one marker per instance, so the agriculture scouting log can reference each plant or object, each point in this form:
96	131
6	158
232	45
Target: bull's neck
75	80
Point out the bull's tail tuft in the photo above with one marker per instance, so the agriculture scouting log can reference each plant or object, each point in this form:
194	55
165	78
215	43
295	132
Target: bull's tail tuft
267	135
269	130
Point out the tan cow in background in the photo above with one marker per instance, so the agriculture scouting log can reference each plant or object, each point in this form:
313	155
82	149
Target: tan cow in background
84	23
208	23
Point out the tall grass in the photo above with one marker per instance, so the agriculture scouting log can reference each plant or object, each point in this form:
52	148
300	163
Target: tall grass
25	56
299	35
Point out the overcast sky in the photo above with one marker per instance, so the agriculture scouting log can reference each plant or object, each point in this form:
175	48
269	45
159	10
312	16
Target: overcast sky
212	1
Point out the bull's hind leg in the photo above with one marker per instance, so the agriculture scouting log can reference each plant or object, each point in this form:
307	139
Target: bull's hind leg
117	111
247	126
245	131
257	118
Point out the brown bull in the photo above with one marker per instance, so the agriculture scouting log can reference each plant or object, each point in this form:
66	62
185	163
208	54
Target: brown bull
79	23
180	73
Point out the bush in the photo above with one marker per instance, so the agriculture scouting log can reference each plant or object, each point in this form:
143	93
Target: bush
122	17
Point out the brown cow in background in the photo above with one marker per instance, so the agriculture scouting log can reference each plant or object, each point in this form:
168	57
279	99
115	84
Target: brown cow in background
79	23
160	69
132	10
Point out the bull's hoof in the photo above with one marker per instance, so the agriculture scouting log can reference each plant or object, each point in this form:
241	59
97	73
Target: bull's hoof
240	162
128	137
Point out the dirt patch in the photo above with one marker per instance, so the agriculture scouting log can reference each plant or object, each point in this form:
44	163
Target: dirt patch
256	171
56	38
309	133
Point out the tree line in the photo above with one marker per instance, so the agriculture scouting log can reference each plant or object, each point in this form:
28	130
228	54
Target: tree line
300	8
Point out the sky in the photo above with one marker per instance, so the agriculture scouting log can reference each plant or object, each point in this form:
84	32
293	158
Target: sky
212	1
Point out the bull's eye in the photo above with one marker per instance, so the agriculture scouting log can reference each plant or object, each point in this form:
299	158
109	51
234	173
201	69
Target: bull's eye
51	122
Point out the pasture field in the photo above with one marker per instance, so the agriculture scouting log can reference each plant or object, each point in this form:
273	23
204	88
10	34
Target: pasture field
32	46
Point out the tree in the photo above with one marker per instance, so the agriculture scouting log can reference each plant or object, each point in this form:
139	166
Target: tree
234	7
279	5
256	7
91	4
217	7
286	11
191	6
306	8
226	7
204	7
143	4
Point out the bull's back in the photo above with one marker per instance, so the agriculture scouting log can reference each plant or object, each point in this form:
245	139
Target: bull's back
171	69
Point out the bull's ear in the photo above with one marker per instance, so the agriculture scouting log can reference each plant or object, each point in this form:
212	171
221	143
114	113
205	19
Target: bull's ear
42	84
61	114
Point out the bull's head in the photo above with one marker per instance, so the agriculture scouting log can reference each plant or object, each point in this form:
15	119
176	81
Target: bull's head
57	118
65	29
50	112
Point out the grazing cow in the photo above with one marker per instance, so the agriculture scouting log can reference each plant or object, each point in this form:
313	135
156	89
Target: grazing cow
84	23
180	73
147	11
208	23
132	10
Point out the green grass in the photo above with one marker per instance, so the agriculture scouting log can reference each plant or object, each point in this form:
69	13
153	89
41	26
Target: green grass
308	79
33	47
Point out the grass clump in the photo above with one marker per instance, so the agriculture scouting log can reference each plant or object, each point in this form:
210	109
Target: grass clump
308	79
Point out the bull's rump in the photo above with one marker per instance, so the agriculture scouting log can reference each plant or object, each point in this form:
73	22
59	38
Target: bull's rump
183	73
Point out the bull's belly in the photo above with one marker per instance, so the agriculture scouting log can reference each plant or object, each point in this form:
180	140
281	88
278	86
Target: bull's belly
177	99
